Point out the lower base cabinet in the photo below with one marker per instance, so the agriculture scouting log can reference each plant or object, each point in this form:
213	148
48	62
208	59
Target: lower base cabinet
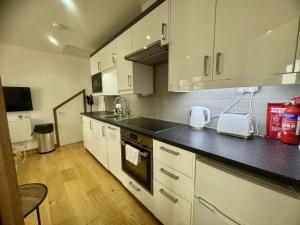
208	216
94	139
224	195
113	145
139	192
169	207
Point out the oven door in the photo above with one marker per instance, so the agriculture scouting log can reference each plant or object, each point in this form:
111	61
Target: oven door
97	83
142	173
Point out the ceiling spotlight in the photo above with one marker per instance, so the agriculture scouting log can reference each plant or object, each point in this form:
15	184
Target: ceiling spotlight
70	5
53	40
56	26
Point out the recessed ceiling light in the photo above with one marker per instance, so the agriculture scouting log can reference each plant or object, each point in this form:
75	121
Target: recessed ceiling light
70	4
56	26
53	40
269	31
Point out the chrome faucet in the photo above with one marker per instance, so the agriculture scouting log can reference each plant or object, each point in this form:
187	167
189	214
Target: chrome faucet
125	110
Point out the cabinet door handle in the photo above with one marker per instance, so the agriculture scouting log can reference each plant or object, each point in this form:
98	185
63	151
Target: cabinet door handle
163	31
103	132
168	196
216	211
205	69
91	125
129	81
99	66
169	174
134	187
218	63
111	128
168	150
114	58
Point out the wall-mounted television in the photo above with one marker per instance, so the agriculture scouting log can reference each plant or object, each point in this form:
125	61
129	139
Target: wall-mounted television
17	99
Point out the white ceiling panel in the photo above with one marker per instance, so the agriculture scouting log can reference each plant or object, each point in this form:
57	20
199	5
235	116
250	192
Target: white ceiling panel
84	24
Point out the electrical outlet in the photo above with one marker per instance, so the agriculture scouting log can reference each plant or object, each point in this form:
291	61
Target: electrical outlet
244	90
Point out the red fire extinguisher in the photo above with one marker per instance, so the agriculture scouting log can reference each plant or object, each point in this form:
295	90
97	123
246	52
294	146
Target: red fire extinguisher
290	129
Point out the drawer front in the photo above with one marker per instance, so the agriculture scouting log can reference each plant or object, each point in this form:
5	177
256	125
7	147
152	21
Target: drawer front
112	132
176	158
237	195
169	207
177	182
139	192
203	215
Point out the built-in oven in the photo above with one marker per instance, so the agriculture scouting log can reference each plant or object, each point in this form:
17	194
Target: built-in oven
143	172
97	83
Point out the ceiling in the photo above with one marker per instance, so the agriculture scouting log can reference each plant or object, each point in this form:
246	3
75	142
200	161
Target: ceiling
83	25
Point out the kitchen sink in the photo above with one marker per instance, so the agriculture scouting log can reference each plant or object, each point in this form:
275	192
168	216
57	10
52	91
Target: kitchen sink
116	117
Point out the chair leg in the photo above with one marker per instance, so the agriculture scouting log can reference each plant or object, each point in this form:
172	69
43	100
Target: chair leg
38	215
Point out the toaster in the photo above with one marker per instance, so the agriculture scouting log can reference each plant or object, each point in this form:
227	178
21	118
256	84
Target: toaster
236	124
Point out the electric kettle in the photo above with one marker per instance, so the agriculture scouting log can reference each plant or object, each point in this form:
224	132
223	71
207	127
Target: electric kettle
200	116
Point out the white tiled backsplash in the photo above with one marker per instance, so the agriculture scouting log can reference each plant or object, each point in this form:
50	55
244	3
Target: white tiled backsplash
176	106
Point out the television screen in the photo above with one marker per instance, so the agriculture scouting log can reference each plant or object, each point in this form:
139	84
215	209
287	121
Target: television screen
17	99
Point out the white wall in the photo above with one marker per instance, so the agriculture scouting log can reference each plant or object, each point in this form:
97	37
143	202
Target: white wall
176	106
52	78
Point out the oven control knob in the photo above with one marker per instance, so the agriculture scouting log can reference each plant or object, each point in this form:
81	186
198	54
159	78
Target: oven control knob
141	140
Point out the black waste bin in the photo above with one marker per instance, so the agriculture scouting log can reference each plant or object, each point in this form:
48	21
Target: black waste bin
45	136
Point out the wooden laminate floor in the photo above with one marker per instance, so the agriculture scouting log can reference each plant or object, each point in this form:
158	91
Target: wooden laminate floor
81	191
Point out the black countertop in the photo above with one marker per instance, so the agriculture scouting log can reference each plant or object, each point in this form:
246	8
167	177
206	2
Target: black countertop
265	157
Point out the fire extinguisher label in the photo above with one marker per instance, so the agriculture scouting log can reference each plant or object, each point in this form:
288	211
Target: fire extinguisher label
298	126
290	116
290	124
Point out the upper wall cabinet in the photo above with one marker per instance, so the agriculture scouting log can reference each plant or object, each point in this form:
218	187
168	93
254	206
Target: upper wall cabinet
124	47
104	59
297	62
133	78
153	27
191	44
255	38
223	43
95	63
109	58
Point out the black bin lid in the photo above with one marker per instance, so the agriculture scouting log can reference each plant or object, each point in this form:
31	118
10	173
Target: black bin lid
43	128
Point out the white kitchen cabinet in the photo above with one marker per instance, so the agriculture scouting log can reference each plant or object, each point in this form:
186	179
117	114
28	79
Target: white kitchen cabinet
124	47
191	40
99	140
139	192
217	44
169	207
109	82
297	62
94	139
206	215
95	63
109	56
176	158
255	38
242	197
133	78
114	151
174	180
87	133
153	27
104	59
173	170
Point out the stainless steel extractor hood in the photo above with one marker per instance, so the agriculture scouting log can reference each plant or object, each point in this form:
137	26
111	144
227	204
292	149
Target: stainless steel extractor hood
152	54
